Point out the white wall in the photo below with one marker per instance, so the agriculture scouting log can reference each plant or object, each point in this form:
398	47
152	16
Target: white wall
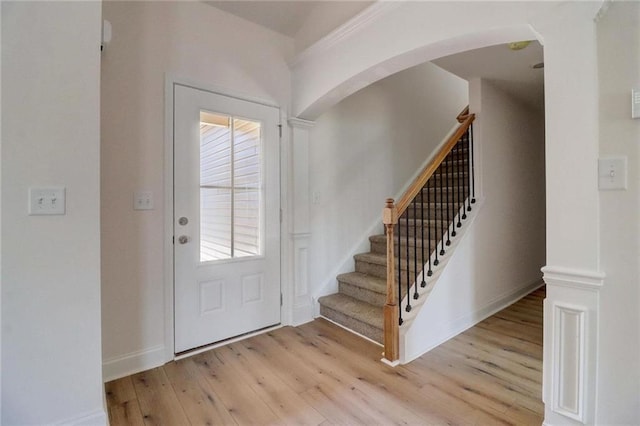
500	255
190	40
0	214
51	348
366	149
619	354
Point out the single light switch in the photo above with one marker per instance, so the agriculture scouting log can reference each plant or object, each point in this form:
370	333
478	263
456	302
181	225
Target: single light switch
47	201
612	173
635	103
143	200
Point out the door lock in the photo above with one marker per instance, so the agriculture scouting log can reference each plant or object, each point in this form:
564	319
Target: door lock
183	221
183	239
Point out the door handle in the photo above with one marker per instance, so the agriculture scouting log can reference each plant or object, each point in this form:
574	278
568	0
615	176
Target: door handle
183	239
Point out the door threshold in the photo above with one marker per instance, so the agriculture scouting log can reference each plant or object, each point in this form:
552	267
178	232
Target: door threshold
200	349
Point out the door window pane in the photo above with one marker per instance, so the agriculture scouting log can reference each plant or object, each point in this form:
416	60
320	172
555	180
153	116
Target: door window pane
247	187
230	187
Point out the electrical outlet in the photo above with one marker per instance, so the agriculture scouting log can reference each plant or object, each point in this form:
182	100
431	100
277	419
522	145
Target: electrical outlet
47	201
143	200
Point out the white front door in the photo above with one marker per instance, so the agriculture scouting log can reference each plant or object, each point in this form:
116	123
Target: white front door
226	217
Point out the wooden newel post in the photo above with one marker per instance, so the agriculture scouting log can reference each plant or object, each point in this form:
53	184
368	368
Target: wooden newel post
391	325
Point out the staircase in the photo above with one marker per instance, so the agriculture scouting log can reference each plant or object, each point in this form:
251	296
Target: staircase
430	220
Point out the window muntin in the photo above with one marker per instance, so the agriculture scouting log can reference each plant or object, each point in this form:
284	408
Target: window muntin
231	190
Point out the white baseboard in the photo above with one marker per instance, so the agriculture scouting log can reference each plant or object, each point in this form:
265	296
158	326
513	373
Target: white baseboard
93	418
465	322
133	362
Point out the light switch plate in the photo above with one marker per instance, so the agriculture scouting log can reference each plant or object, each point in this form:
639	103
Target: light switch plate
612	173
47	201
143	200
635	103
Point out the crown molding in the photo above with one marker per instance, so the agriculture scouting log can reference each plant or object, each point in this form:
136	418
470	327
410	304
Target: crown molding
355	24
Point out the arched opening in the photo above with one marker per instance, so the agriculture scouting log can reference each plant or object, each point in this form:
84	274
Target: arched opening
371	141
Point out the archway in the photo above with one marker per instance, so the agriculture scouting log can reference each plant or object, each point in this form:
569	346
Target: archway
411	33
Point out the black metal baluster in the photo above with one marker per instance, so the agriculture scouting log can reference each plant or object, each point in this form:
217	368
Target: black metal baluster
435	221
453	184
422	262
447	168
473	187
406	233
460	176
415	248
399	278
468	189
430	271
442	252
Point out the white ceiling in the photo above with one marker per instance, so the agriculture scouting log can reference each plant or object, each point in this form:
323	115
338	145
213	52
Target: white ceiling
508	69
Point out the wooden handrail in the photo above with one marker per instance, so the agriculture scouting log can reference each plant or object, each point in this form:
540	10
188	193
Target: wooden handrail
463	114
428	171
390	214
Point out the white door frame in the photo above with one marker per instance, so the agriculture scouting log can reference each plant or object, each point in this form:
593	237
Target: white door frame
168	269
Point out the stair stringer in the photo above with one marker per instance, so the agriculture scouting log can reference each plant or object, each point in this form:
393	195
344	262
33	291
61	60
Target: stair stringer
429	339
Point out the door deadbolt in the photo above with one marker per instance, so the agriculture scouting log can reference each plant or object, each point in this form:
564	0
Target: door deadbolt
183	221
183	239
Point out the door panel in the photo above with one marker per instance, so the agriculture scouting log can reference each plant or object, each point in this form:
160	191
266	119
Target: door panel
226	217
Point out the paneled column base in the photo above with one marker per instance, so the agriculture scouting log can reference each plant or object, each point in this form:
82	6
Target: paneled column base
571	311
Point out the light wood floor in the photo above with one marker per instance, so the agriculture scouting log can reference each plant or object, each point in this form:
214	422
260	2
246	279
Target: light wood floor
320	374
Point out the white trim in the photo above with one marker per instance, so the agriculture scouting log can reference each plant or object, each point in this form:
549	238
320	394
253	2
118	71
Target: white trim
568	393
169	343
573	278
286	308
91	418
363	19
467	321
571	340
219	90
390	363
134	362
286	285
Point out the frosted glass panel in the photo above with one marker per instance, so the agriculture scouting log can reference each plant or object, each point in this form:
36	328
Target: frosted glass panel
230	187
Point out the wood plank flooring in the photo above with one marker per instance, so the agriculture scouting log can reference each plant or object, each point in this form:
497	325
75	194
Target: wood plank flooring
320	374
